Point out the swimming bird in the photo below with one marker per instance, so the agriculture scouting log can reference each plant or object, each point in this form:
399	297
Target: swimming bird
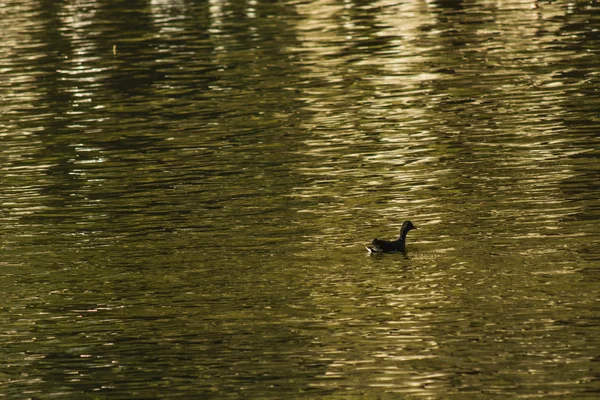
394	246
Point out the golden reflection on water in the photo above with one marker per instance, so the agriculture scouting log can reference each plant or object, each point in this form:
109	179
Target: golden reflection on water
395	141
389	341
203	196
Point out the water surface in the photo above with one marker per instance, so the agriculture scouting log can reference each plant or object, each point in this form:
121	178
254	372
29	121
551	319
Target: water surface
187	189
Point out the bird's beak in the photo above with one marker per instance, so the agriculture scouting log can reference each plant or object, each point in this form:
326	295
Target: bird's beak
414	227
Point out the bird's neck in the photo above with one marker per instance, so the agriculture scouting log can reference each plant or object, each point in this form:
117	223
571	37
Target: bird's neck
403	234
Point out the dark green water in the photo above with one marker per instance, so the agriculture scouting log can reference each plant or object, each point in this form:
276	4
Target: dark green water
187	188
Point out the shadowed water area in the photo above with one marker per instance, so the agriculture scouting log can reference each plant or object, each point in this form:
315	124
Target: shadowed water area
187	189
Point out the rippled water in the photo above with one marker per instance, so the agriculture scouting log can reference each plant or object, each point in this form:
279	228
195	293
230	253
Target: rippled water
187	188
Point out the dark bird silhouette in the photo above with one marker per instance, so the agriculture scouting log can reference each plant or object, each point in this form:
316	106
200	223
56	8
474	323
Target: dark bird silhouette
394	246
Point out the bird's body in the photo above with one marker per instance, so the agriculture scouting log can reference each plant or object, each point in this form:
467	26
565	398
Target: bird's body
392	246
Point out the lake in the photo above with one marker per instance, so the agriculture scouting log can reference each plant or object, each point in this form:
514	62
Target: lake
187	189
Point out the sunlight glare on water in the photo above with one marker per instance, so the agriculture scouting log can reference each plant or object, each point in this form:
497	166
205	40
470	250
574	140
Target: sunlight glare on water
188	188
